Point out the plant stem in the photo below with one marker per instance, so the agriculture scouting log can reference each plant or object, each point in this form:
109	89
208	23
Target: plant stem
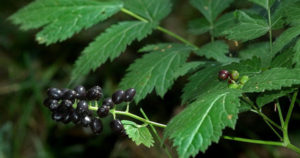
294	148
280	113
172	34
287	119
278	135
264	142
113	111
270	27
156	134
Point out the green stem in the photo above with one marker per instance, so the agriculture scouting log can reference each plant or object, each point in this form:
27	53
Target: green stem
287	119
278	135
113	111
264	142
280	113
294	148
172	34
156	134
270	27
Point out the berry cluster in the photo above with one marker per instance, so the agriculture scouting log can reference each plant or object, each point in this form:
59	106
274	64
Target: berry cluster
72	105
233	78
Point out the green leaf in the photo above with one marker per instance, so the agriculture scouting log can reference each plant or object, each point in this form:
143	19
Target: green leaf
187	67
198	26
216	50
109	45
264	3
153	10
273	79
138	133
225	22
292	12
211	8
155	70
260	50
270	96
249	67
248	27
285	38
244	106
61	19
202	122
284	59
296	58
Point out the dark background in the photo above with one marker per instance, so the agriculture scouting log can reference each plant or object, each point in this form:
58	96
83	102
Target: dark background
28	69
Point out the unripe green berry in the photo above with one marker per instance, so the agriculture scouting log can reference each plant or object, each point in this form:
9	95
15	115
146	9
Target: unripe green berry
234	86
234	75
240	86
244	79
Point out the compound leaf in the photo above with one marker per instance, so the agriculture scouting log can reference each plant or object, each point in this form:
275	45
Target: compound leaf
202	122
157	69
211	8
216	50
109	45
61	19
248	28
138	133
273	79
152	10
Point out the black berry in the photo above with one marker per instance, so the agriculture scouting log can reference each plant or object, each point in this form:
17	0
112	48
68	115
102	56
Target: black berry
96	126
103	111
86	120
129	94
47	102
67	103
223	74
108	102
69	95
75	117
118	97
80	92
66	118
53	105
95	93
82	107
54	93
57	116
117	126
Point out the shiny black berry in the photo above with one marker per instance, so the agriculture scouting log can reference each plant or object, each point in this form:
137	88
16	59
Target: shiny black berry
75	117
95	93
66	118
223	74
80	92
53	105
118	97
129	94
108	102
86	120
103	111
54	93
82	107
117	126
47	102
96	126
66	103
57	116
69	95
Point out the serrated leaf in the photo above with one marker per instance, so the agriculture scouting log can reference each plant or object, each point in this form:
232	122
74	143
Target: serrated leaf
292	12
270	96
284	59
110	45
273	79
260	50
206	80
296	58
211	8
138	133
61	19
153	10
264	3
202	122
248	28
244	106
187	67
223	23
159	47
285	38
216	50
198	26
155	70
